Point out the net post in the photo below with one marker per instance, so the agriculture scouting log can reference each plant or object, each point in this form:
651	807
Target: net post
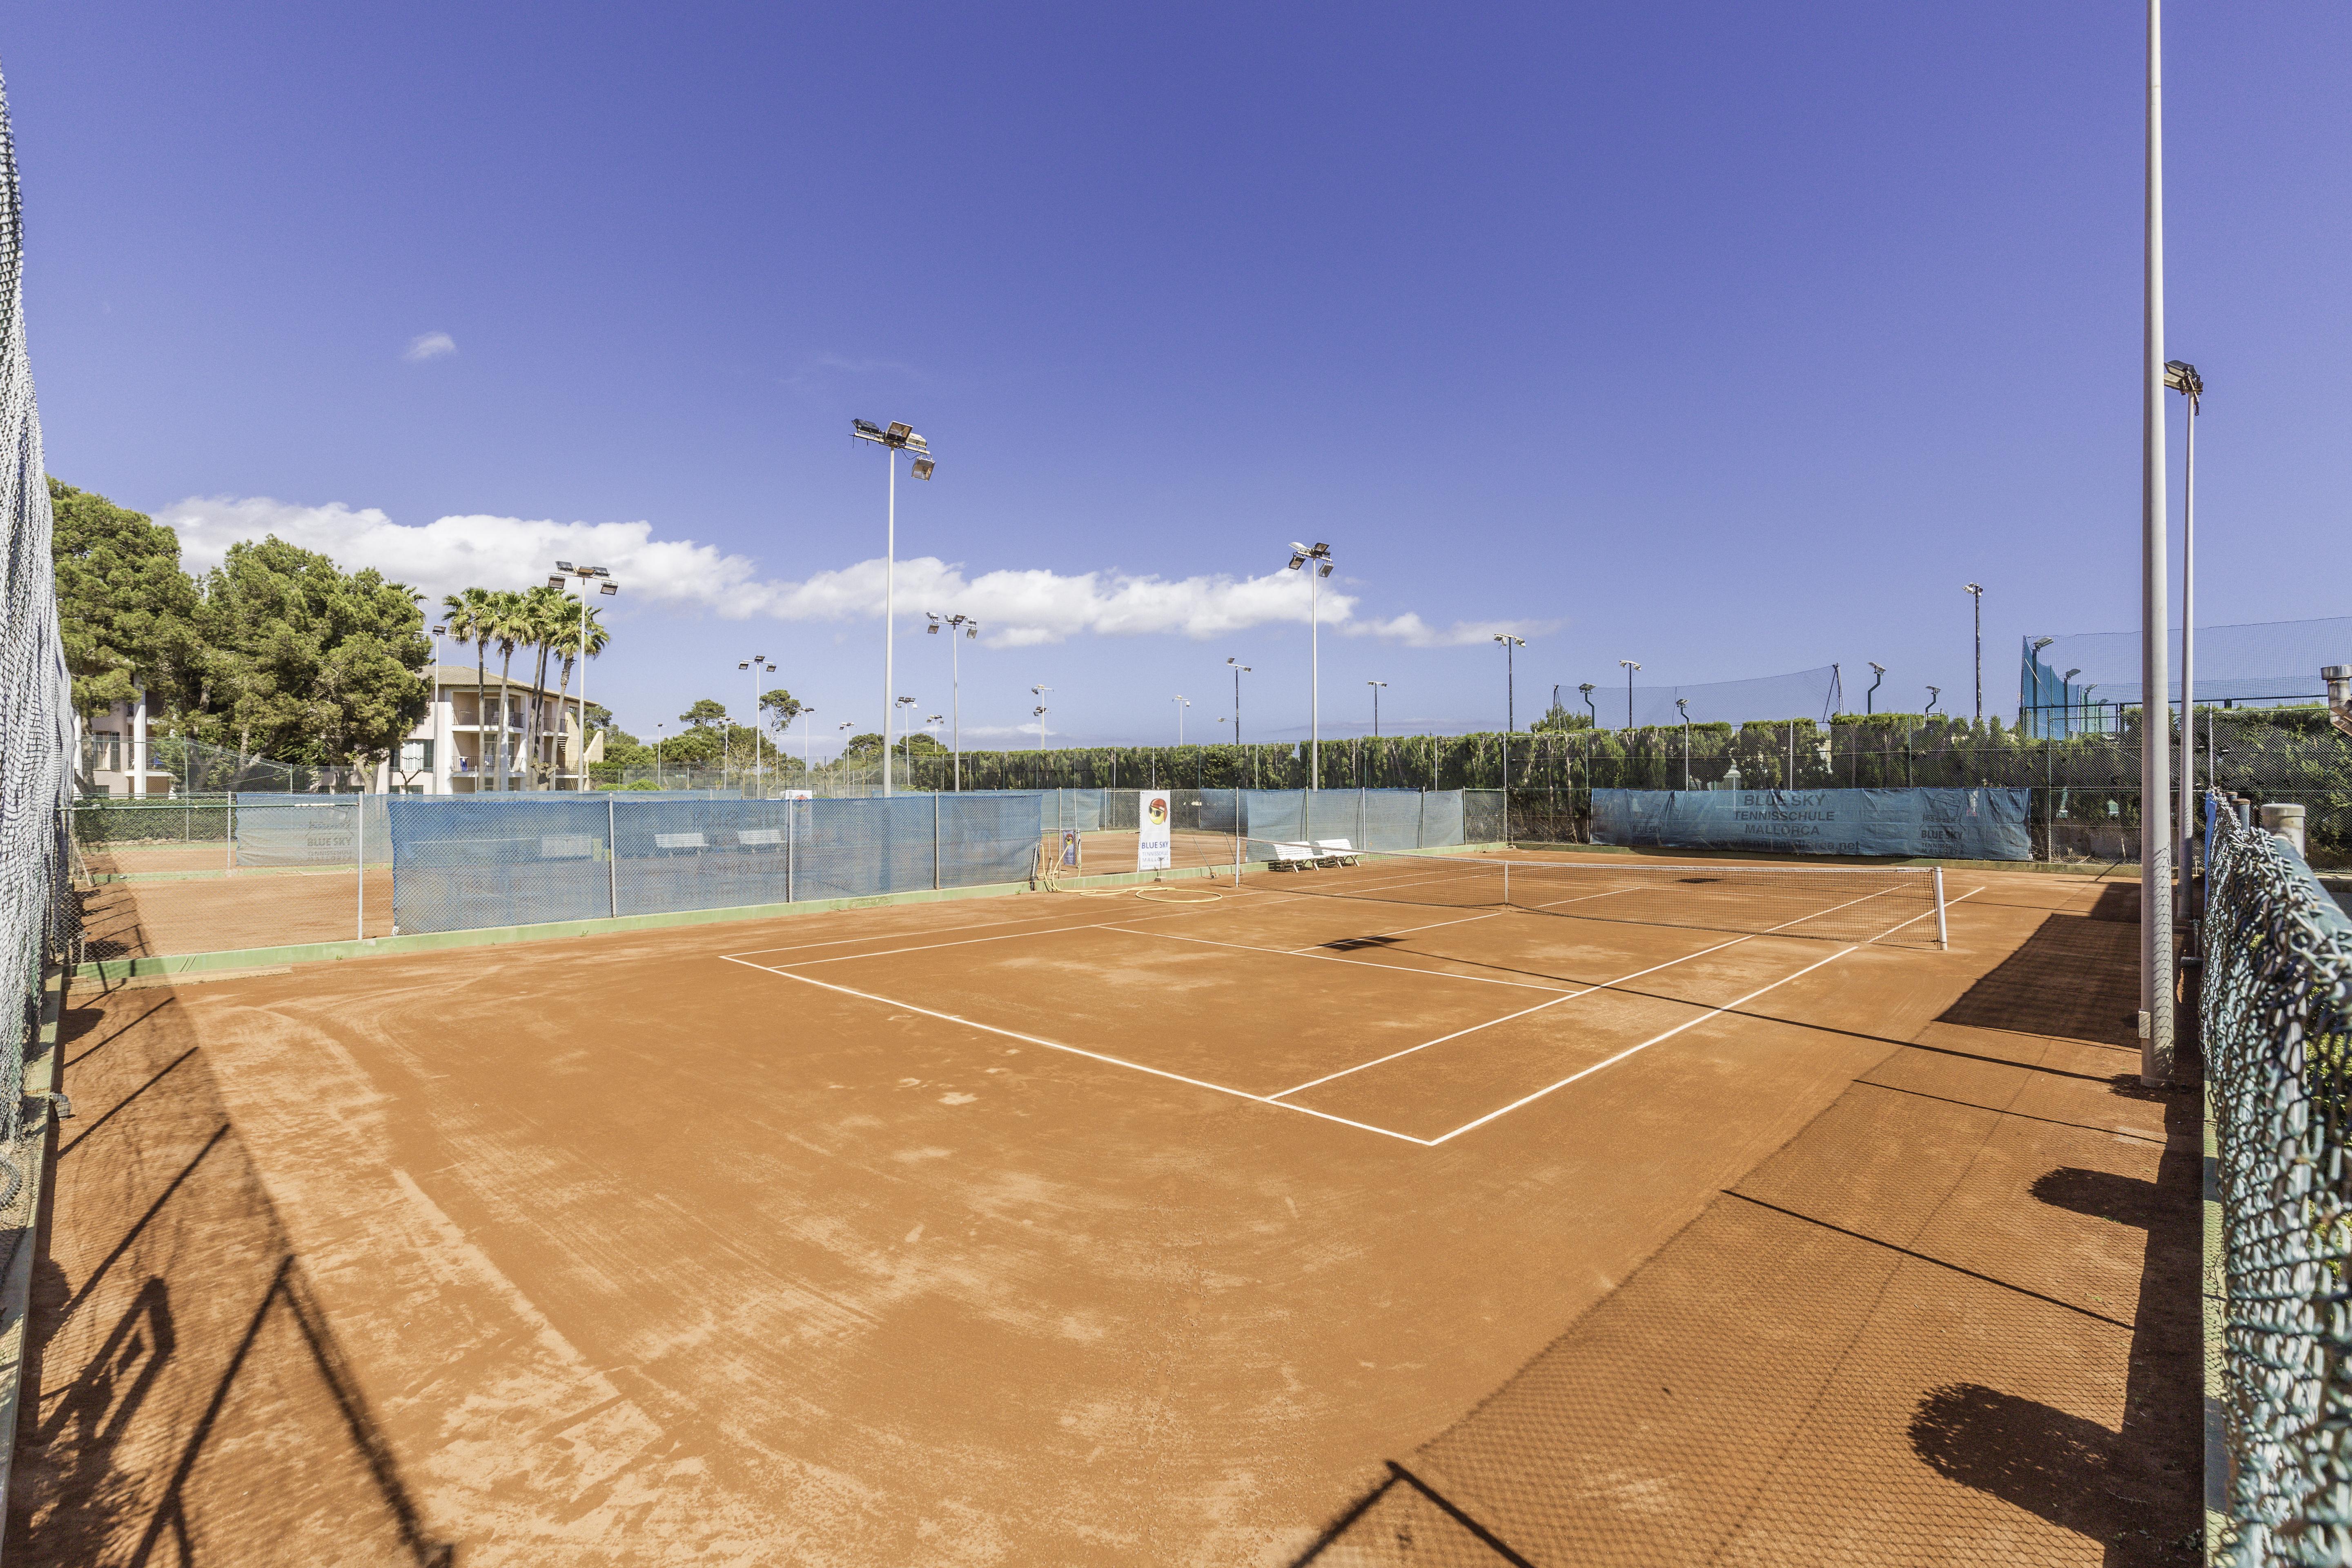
1943	938
612	861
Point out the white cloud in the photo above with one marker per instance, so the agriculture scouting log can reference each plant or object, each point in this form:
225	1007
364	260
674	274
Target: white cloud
432	345
1413	631
1016	607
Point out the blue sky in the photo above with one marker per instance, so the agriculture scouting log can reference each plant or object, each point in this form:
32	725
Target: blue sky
1726	338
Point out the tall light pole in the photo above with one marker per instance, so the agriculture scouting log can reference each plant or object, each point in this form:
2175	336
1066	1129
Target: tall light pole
1934	695
906	736
1376	686
851	724
1300	555
1183	702
2066	695
806	714
1588	688
756	663
893	439
1630	668
2156	959
1038	713
2182	377
660	729
1511	646
1975	594
2033	658
605	588
1239	670
1682	706
969	628
1870	698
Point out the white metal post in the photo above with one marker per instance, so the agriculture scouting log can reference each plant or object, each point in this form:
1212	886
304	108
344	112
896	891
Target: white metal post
1943	937
2184	828
1314	685
612	860
955	703
359	855
2156	958
890	603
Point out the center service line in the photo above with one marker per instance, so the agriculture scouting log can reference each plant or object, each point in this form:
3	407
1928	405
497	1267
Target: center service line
1077	1051
1629	1050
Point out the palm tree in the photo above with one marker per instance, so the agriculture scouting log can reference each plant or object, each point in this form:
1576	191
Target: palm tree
548	610
469	622
509	626
567	647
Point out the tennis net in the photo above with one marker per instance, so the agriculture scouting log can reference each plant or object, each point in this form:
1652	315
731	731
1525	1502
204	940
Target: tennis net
1837	903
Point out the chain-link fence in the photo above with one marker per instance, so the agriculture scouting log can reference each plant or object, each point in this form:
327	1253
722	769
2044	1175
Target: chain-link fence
35	737
2276	1008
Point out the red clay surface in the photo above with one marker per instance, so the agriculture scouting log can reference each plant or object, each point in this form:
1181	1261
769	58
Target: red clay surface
222	912
1062	1230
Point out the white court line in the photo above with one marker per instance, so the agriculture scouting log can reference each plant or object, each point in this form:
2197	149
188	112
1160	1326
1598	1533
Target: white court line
1408	931
1538	1008
1335	958
968	940
1077	1051
884	936
1630	1051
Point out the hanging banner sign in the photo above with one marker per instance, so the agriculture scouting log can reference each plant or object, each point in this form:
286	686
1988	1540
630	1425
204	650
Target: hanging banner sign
1152	851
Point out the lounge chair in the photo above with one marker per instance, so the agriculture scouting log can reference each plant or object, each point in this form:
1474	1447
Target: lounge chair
1337	851
1294	857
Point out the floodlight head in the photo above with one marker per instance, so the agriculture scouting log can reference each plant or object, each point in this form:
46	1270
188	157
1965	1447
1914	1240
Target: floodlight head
933	630
1587	687
1325	570
923	467
741	664
555	581
899	430
440	631
564	566
1683	704
1630	663
1297	561
602	571
865	427
1320	550
2041	643
2072	673
1971	588
608	589
2181	376
1876	667
970	630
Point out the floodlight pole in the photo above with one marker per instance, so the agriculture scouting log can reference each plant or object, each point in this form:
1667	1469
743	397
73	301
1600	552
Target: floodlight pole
1376	686
1588	688
1038	713
897	437
1870	698
2183	378
1630	668
2156	956
1316	561
1183	702
1511	644
1977	594
1240	670
1682	706
806	714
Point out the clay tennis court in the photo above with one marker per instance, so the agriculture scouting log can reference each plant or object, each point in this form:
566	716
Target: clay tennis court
1159	1228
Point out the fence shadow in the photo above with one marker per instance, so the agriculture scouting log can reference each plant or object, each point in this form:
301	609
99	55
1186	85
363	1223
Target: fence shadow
187	1400
2074	978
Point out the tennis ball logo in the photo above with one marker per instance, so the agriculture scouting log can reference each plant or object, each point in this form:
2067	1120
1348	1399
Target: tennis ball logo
1158	810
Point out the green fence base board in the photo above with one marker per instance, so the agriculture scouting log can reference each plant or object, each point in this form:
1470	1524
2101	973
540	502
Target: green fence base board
107	970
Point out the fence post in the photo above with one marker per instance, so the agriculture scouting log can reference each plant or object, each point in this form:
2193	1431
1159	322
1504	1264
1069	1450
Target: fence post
935	841
791	832
612	860
359	855
228	853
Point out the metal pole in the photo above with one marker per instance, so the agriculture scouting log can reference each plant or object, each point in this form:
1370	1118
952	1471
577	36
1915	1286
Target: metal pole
1979	597
2155	960
1314	687
359	853
1943	937
583	683
2186	833
955	687
935	840
613	861
889	626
